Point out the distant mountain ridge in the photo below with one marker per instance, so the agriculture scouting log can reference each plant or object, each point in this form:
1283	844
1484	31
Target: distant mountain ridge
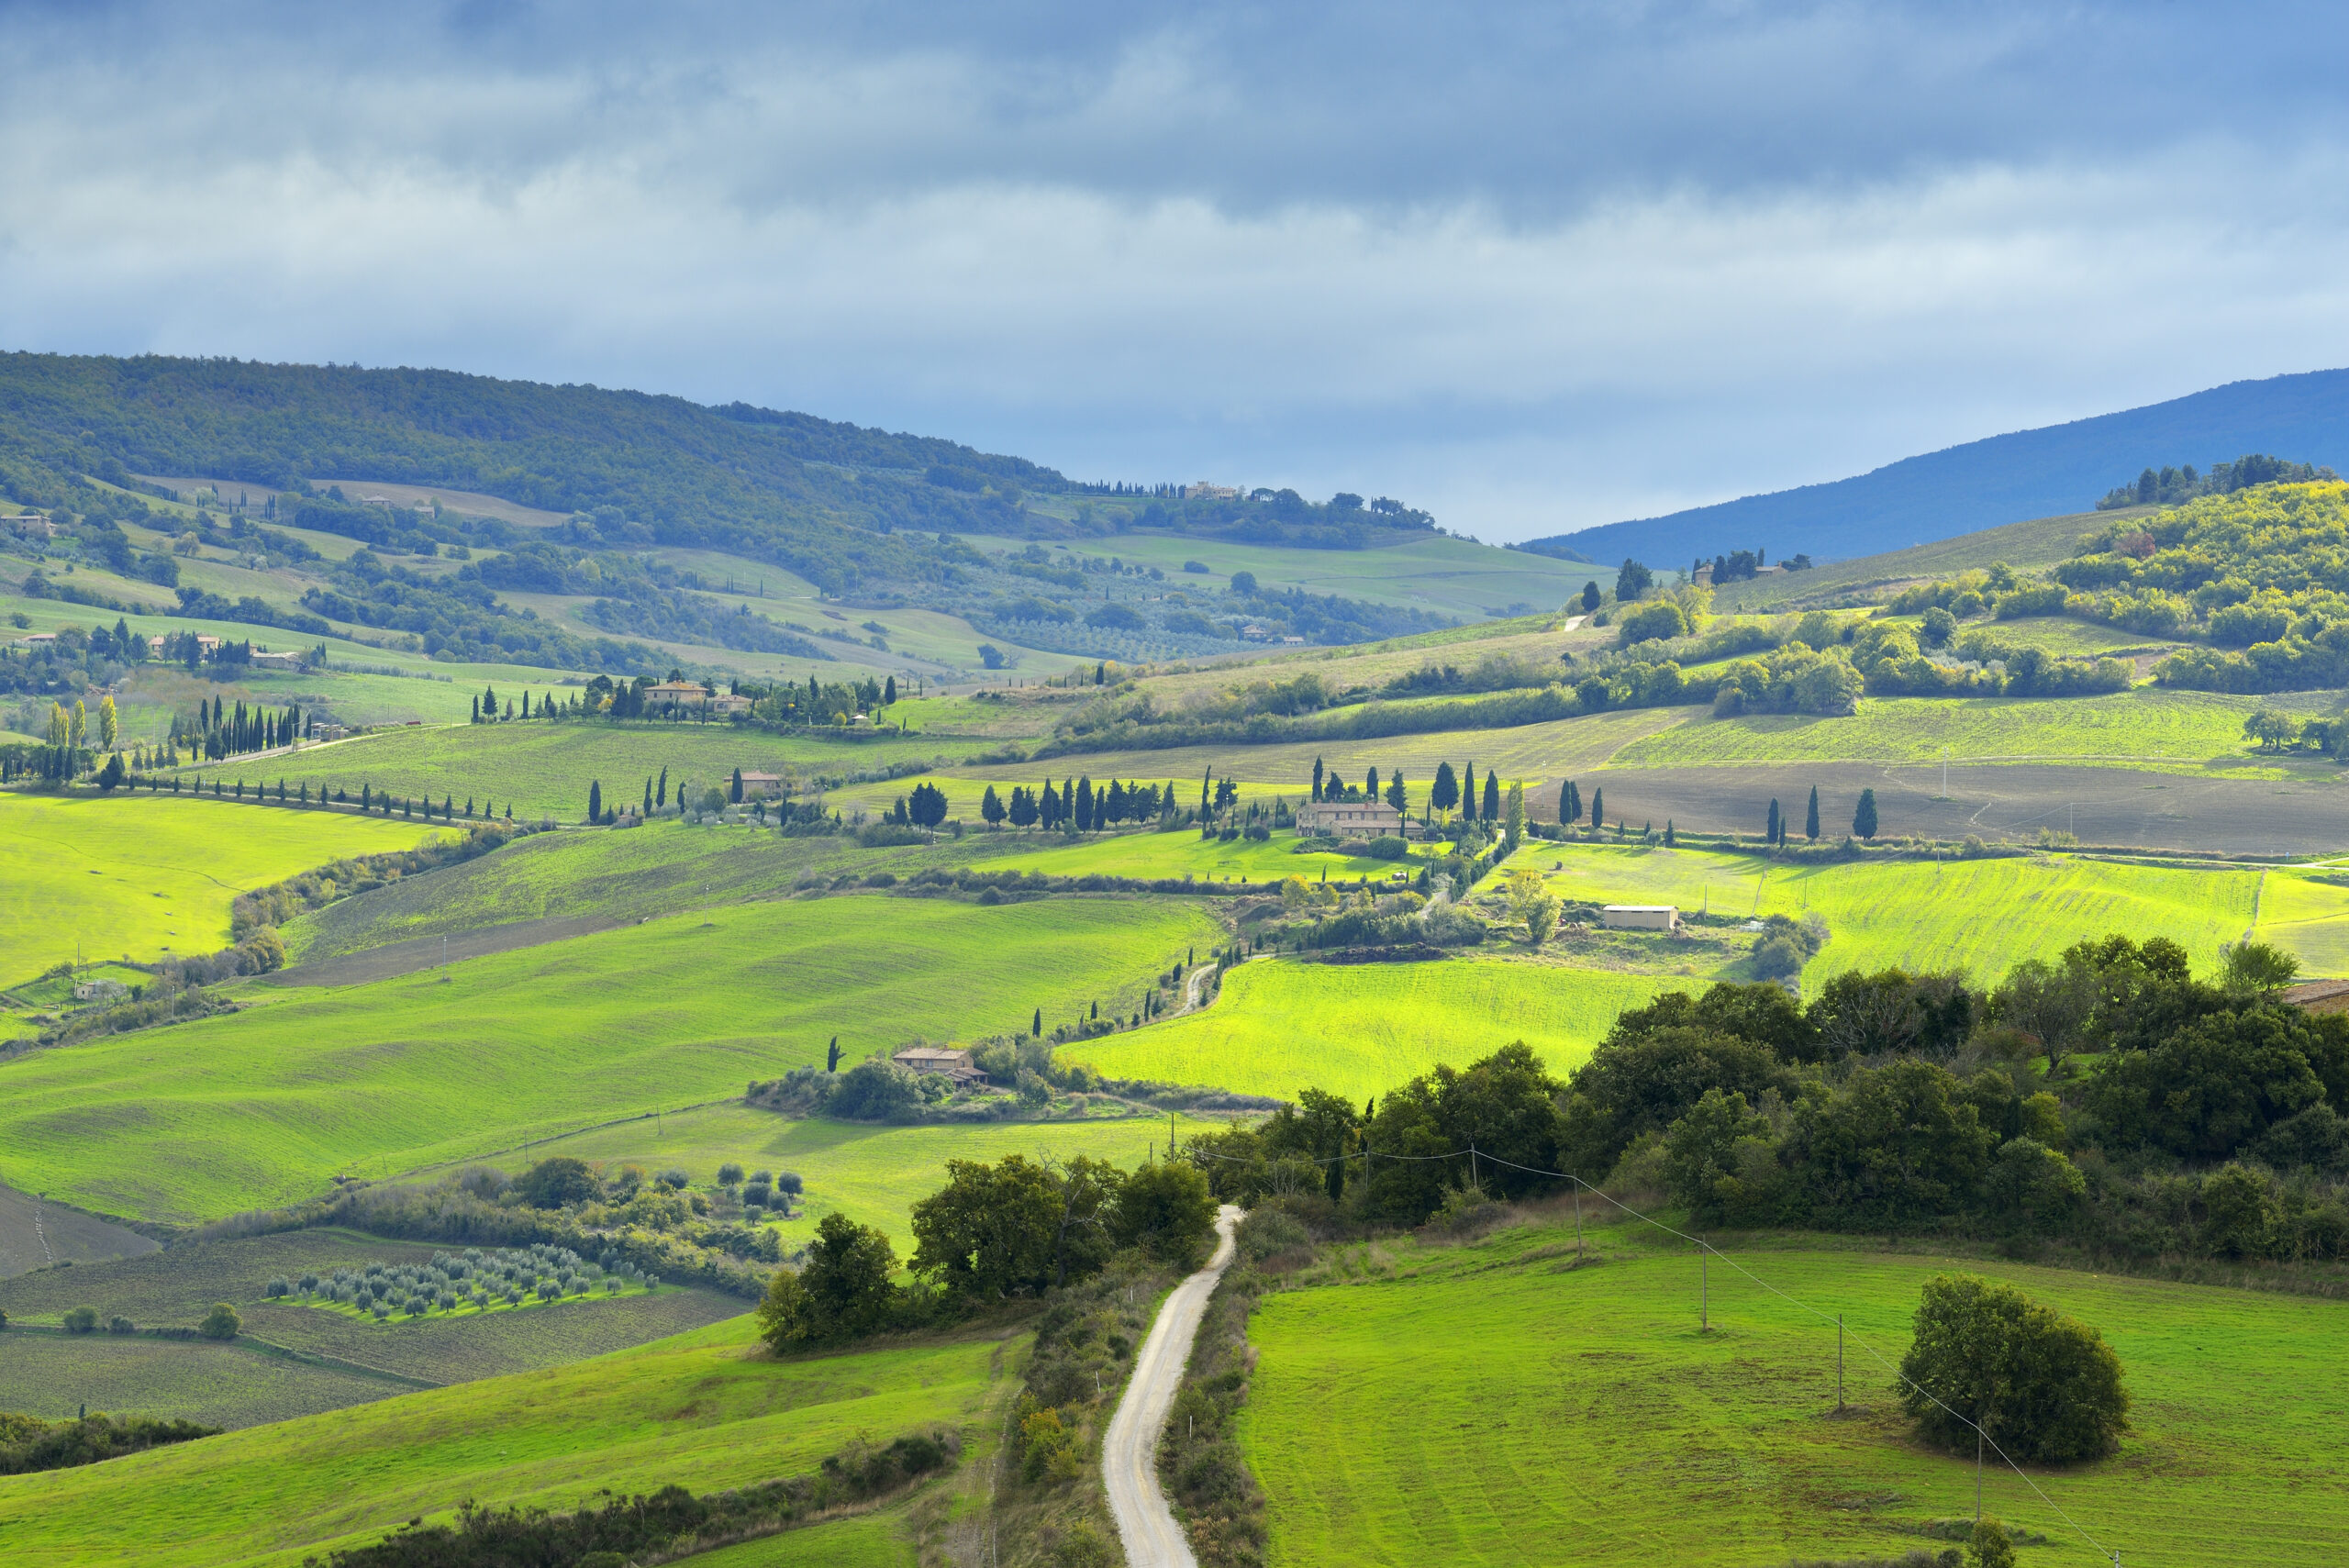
2001	479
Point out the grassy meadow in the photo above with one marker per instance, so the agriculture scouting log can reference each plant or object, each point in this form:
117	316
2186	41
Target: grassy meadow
1491	1404
544	769
872	1175
151	876
266	1105
706	1409
2181	730
1442	575
1359	1029
1927	915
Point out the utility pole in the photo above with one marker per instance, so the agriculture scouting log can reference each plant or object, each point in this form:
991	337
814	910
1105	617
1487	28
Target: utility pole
1704	1292
1978	1475
1578	1258
1944	772
1838	1363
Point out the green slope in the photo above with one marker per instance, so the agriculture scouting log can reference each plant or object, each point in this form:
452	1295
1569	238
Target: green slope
152	876
703	1409
1360	1029
1494	1406
264	1107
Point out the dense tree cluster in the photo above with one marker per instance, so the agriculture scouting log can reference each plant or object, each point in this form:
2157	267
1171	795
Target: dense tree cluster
2171	487
1016	1229
2110	1098
27	1443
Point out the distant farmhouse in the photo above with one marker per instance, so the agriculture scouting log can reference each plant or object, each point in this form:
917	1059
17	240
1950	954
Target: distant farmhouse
1349	819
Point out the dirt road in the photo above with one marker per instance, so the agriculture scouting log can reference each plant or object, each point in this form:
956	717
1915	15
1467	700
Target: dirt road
1129	1453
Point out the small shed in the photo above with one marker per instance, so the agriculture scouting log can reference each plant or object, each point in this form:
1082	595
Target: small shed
1641	917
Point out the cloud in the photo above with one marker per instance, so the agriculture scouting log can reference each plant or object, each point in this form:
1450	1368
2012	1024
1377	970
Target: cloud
1533	274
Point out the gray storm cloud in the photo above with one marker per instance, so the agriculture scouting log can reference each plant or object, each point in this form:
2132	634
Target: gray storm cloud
1533	269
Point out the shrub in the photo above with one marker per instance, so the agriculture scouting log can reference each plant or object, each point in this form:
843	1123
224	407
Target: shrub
729	1174
788	1182
558	1183
673	1179
1388	849
2042	1386
81	1319
119	1324
1653	621
220	1323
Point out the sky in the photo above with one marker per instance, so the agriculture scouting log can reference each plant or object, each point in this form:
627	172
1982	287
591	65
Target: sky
1533	268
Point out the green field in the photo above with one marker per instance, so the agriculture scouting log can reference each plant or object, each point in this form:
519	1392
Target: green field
702	1409
55	1376
2183	730
663	868
1360	1029
1181	853
872	1175
1927	915
151	877
1495	1406
1442	575
545	768
264	1107
176	1288
2039	541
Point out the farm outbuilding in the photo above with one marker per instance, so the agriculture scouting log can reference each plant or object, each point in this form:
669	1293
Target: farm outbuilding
1640	916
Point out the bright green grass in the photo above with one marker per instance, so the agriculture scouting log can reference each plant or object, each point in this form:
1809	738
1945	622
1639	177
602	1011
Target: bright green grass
663	868
1178	853
700	1409
149	876
263	1107
1979	915
2307	918
872	1175
545	768
1360	1029
1532	753
2183	729
874	1540
1502	1409
2057	635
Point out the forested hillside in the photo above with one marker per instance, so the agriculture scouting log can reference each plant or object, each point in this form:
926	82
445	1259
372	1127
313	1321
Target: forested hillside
840	505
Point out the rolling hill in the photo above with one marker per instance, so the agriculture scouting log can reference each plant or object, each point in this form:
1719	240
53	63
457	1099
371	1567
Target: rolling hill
2002	479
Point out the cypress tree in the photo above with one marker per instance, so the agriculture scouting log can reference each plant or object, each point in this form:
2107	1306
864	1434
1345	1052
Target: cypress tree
1597	809
1810	817
1468	791
1086	822
832	1056
889	691
1317	778
734	792
661	790
1492	808
594	800
1770	834
1205	780
1668	839
1035	1027
1864	816
648	800
1370	785
476	718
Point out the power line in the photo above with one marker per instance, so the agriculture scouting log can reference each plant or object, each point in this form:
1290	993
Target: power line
1982	1436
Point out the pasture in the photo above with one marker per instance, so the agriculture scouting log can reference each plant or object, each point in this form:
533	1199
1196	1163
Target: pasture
872	1175
707	1410
149	876
1442	575
1360	1029
2182	731
53	1375
1491	1404
1981	916
266	1105
544	769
